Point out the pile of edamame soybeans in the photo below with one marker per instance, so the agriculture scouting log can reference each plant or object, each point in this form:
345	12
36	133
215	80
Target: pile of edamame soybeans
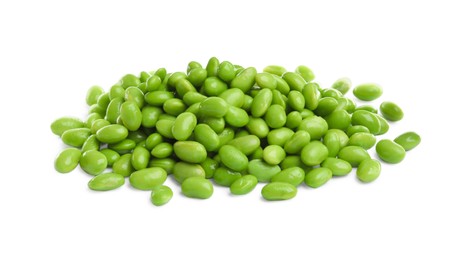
230	125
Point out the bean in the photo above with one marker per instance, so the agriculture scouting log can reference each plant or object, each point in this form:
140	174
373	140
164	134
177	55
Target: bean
116	91
280	136
346	104
368	170
75	137
112	134
225	177
193	65
275	69
316	127
315	178
275	116
356	129
111	156
91	144
123	165
218	124
93	162
364	140
391	111
332	142
243	185
214	107
282	86
246	144
293	175
294	119
209	166
157	98
296	100
92	94
367	119
226	71
60	125
164	127
408	140
114	110
125	146
258	127
174	106
226	136
278	191
140	158
98	124
148	179
205	135
261	102
137	136
191	98
129	80
95	108
390	151
338	119
294	161
262	170
279	99
296	143
161	72
167	164
183	126
244	80
314	153
214	86
368	91
305	72
294	80
342	84
257	154
92	118
273	154
190	151
233	158
266	80
67	160
153	83
311	96
233	96
197	187
175	78
384	127
197	76
150	116
106	182
131	115
342	137
183	170
353	154
161	195
247	101
367	108
332	93
337	166
212	67
326	106
136	95
237	117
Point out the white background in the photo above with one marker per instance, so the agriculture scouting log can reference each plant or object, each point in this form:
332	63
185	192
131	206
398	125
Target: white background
52	51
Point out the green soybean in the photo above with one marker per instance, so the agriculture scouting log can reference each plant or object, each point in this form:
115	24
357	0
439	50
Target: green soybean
158	98
337	166
225	177
391	111
368	91
98	124
266	80
183	170
246	144
164	127
292	175
294	119
140	158
226	71
332	142
183	126
125	146
326	106
148	179
76	137
106	182
209	166
67	160
311	96
280	136
197	187
305	72
296	143
150	115
131	115
153	83
129	80
237	117
368	170
316	127
174	107
92	95
167	164
93	162
233	96
278	191
408	140
161	195
342	84
261	102
123	165
367	108
351	130
214	86
296	100
91	144
315	178
197	76
262	170
60	125
213	107
112	134
390	151
273	154
244	80
205	135
353	154
233	158
314	153
364	140
136	95
258	127
190	151
243	185
275	116
367	119
294	80
275	69
111	156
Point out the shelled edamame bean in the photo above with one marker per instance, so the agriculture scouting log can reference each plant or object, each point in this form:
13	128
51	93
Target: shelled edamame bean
234	125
